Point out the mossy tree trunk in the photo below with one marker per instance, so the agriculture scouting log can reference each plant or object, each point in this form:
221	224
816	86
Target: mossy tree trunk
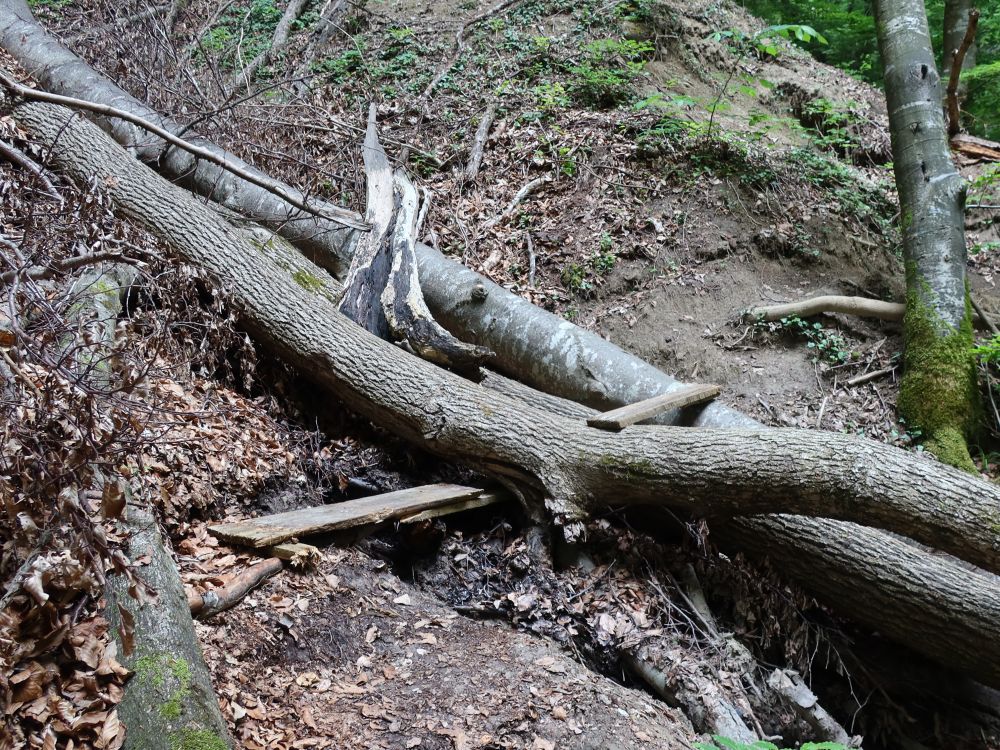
940	394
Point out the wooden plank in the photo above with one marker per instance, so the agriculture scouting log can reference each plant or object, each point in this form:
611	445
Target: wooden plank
268	531
619	419
297	554
487	498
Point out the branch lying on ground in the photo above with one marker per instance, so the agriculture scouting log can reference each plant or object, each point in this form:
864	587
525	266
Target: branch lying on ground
212	602
271	186
523	193
834	303
789	685
479	143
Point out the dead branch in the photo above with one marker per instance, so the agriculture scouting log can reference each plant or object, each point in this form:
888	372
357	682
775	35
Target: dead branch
271	186
479	143
789	685
214	601
831	303
521	194
954	114
20	159
382	290
278	42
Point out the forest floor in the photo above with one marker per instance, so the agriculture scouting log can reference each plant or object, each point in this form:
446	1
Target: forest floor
654	229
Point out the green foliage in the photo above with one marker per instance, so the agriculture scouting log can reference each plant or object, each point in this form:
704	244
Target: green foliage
581	278
834	125
850	31
724	743
250	28
982	103
868	204
607	75
765	44
826	346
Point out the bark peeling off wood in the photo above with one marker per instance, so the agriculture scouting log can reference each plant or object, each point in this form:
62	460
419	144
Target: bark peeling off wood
278	528
382	292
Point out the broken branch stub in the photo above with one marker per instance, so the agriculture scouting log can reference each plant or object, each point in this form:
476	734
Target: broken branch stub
382	292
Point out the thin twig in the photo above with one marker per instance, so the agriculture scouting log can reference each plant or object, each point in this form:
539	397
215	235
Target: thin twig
278	42
19	158
868	376
103	109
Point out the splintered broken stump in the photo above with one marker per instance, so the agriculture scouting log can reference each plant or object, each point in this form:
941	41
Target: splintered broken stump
619	419
272	530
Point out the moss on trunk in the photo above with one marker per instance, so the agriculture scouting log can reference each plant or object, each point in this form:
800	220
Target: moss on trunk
940	390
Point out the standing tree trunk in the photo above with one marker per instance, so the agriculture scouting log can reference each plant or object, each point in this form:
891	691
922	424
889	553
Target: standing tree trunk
956	21
940	394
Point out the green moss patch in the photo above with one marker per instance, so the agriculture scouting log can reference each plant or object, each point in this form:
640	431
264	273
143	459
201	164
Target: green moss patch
197	739
940	391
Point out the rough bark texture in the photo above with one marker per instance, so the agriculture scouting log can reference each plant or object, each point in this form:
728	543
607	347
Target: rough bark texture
939	393
382	291
169	703
552	355
931	603
61	72
578	467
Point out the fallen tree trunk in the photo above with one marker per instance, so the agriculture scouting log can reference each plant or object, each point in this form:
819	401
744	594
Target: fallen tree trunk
582	468
542	349
931	603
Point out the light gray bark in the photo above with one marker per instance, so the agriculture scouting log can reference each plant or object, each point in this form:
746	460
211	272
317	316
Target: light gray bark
691	469
554	355
939	393
956	21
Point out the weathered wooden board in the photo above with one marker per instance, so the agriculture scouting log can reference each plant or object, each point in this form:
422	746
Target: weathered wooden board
487	498
621	418
268	531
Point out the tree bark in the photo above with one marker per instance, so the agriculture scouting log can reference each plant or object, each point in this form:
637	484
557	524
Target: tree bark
956	21
169	703
536	346
939	393
582	468
930	603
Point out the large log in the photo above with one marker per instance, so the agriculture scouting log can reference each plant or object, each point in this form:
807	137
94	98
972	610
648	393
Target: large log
580	467
537	347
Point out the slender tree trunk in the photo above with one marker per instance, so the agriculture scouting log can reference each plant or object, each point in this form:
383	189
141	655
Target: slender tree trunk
582	468
940	393
956	21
